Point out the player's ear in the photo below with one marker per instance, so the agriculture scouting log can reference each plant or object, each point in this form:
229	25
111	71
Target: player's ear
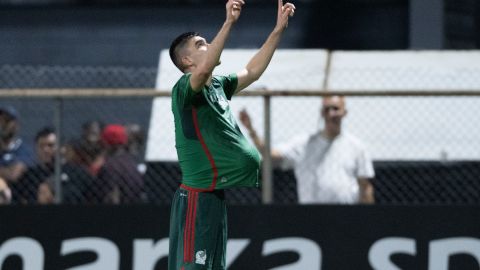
186	61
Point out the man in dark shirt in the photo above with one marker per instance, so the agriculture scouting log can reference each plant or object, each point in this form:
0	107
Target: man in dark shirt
37	184
119	180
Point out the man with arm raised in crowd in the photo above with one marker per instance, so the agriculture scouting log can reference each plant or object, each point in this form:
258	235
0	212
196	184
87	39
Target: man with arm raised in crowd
212	152
330	165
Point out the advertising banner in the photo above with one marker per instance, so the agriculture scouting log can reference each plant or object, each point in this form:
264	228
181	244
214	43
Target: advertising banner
260	237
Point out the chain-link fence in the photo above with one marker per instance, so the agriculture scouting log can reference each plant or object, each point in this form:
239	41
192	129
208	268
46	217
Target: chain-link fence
20	76
425	148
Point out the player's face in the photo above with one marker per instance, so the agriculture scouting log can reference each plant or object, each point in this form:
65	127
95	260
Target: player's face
197	48
333	110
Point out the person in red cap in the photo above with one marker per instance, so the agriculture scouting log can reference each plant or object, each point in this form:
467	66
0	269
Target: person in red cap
114	135
119	181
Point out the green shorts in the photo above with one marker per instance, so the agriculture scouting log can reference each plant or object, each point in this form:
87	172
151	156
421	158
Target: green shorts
198	230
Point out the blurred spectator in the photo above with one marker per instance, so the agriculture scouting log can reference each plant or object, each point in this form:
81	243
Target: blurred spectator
15	156
45	193
82	153
5	193
330	166
136	145
76	179
37	184
91	131
25	191
94	156
118	180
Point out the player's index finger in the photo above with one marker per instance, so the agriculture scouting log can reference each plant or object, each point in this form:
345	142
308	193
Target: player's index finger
280	4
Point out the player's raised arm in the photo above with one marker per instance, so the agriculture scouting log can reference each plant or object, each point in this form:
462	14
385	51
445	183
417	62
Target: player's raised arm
206	56
261	59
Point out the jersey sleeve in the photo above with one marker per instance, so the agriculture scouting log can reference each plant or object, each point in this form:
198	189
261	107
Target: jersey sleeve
229	84
184	92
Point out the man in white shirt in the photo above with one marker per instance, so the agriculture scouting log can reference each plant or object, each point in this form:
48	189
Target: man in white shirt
330	166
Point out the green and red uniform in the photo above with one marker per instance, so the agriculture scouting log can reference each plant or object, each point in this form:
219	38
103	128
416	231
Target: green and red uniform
213	155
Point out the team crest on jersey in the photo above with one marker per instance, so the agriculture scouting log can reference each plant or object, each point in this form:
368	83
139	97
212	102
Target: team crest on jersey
223	103
201	257
216	100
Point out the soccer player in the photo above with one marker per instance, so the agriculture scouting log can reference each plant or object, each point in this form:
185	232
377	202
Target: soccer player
212	152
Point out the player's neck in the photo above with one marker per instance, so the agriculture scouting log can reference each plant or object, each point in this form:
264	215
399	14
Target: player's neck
190	70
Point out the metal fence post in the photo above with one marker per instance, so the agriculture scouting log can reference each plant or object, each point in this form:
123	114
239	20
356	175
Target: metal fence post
267	185
58	157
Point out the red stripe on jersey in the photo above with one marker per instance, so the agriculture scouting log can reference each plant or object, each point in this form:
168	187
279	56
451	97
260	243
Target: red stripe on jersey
207	152
195	189
187	229
192	230
185	233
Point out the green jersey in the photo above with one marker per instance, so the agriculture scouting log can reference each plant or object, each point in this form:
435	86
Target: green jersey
211	149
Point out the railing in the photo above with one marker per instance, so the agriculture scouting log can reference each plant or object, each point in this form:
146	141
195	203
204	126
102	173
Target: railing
60	95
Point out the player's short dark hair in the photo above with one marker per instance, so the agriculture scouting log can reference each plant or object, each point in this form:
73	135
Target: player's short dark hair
44	132
178	43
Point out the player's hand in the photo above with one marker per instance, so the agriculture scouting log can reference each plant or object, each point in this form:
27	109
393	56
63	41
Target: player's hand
245	119
234	8
284	13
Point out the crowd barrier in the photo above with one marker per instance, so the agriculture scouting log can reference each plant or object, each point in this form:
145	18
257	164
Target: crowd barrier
395	182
